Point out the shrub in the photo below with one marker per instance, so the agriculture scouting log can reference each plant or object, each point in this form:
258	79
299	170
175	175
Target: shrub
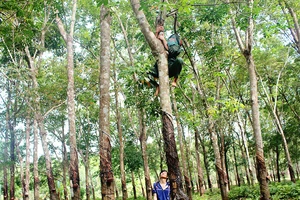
278	191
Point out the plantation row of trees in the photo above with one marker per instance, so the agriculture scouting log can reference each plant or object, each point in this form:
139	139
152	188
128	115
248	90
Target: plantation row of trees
79	122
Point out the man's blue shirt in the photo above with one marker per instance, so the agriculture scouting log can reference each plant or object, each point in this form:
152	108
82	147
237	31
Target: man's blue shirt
161	194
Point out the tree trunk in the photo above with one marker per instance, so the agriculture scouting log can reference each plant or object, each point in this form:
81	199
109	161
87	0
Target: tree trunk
260	160
27	162
64	162
36	178
218	163
5	160
106	173
245	144
247	171
236	167
206	163
11	129
143	141
277	162
223	160
21	162
187	180
142	187
165	102
68	38
121	140
133	185
199	168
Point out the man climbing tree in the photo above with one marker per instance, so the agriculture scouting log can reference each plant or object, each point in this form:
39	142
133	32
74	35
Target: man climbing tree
172	47
165	102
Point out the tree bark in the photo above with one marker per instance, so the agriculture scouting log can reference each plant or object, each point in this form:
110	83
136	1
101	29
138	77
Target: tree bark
106	173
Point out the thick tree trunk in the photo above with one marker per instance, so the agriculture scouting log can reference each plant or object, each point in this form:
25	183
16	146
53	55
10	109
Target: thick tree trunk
172	158
187	180
106	173
143	142
260	160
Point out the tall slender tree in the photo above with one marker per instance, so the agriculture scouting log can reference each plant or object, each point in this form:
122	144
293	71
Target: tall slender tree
165	102
106	173
69	38
246	50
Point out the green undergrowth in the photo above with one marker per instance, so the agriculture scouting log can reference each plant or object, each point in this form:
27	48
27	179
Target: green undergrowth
285	190
279	191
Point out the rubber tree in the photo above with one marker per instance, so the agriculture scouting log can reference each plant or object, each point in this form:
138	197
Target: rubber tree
246	50
165	102
106	174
